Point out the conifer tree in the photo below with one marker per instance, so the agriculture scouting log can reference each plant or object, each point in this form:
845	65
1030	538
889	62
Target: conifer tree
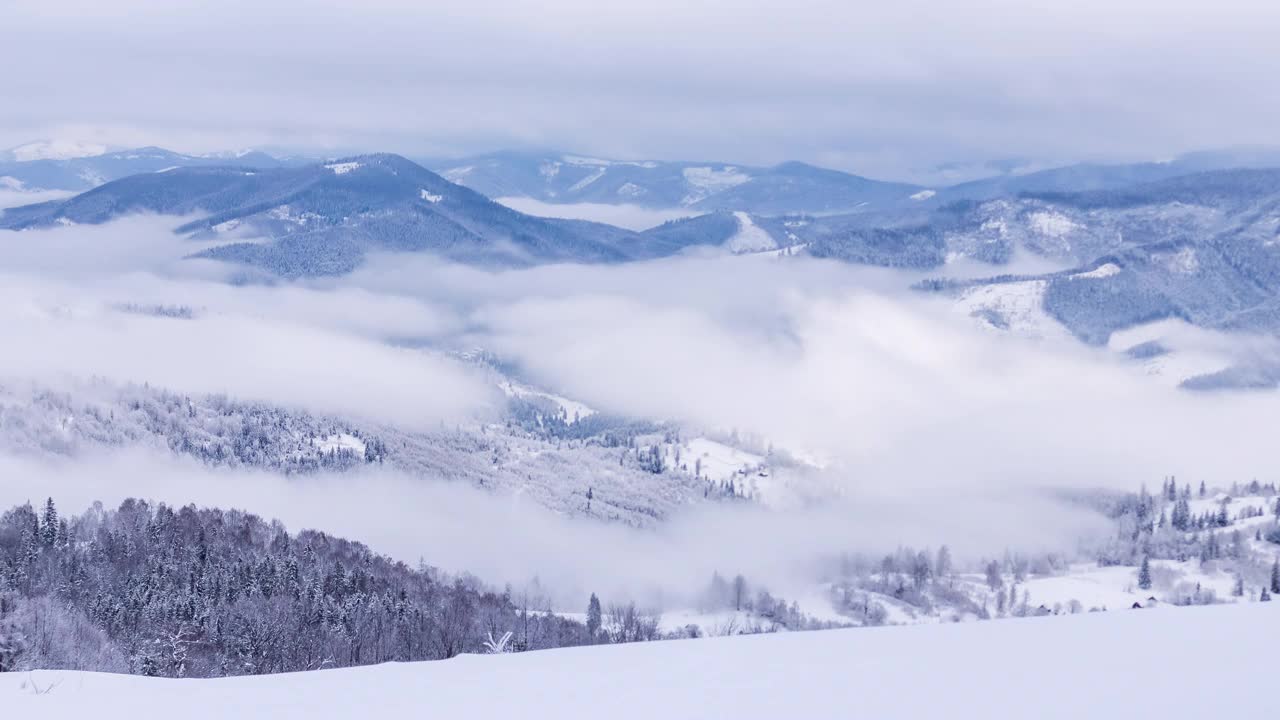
1144	573
994	579
49	524
593	616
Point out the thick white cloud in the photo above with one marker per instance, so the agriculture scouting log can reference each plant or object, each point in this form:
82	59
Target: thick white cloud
931	430
509	539
896	390
64	293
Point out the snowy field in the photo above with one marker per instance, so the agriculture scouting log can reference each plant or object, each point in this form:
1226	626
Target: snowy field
1105	665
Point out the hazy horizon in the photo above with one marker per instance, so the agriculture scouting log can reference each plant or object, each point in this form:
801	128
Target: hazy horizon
892	92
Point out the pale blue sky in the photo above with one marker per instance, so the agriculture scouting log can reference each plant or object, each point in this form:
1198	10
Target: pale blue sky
850	84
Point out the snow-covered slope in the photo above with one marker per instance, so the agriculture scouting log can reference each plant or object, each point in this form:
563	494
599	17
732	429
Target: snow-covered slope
750	237
1016	307
1106	665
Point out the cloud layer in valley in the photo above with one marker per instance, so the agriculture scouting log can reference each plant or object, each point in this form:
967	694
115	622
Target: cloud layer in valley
928	428
100	301
842	363
511	540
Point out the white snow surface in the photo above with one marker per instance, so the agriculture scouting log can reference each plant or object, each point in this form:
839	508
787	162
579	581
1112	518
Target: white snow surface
594	176
341	441
1102	271
1052	224
923	195
572	408
719	461
750	237
1020	306
430	197
1123	664
343	168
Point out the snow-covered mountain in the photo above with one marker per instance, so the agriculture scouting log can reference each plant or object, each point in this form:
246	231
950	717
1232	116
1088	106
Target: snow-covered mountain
1081	177
559	178
59	149
322	219
80	166
558	452
794	187
1201	248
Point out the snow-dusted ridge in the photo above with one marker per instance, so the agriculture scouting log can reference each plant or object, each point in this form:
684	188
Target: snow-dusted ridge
58	149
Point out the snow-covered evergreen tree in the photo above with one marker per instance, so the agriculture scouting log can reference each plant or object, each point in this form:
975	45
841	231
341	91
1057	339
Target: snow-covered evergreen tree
594	616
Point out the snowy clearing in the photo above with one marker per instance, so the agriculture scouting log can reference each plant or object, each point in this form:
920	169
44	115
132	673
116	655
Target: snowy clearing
1102	271
572	408
1051	224
714	460
750	237
594	176
342	168
1103	665
1016	307
341	441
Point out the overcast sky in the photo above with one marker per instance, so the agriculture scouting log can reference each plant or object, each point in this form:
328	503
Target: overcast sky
882	88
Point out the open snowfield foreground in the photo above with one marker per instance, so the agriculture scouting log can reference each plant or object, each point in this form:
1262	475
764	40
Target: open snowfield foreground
1168	663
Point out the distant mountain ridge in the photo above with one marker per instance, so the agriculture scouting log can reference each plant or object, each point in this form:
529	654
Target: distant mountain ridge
66	169
1086	177
564	178
1203	248
323	219
52	149
795	187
